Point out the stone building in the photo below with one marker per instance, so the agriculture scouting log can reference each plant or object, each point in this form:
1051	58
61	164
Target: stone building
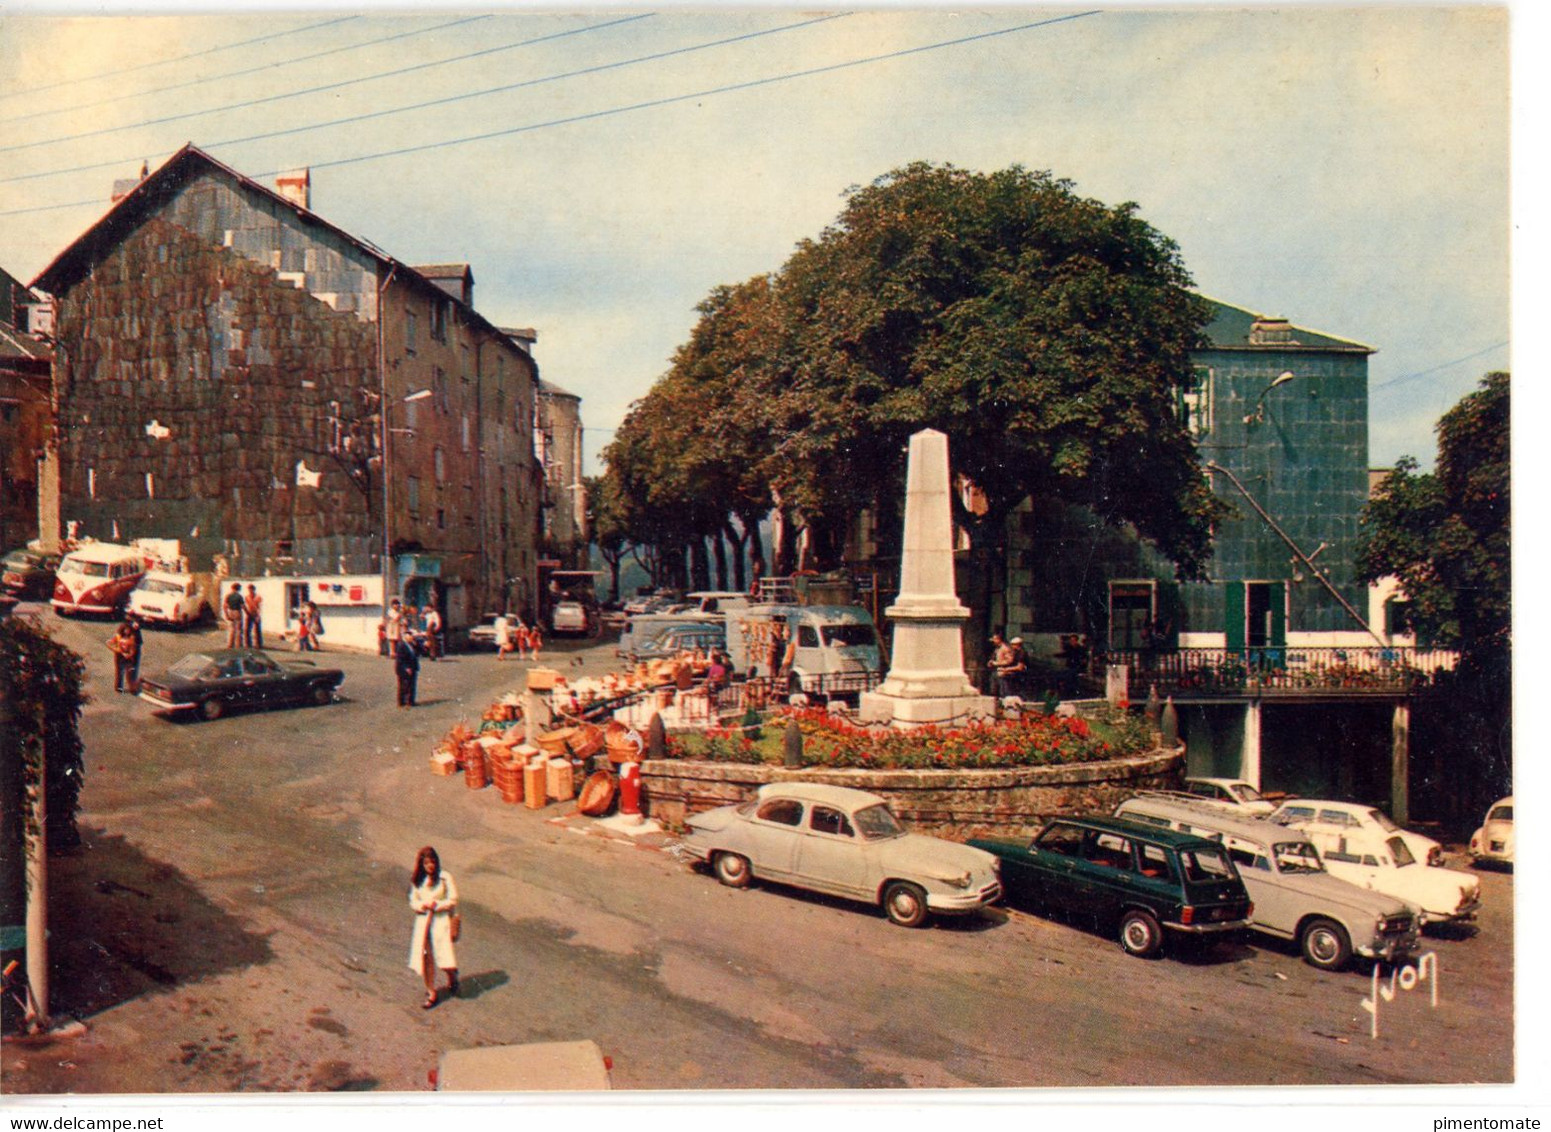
235	372
559	442
25	411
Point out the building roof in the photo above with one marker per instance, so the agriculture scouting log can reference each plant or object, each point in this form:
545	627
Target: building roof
1239	328
155	190
16	345
445	270
550	389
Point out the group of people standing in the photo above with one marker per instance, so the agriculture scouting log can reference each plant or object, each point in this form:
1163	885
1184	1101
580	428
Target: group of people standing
244	618
513	636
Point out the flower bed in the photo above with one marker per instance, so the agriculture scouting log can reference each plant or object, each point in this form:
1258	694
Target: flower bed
833	742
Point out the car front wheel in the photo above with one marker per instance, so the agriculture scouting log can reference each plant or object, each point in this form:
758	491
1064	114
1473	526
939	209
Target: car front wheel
1326	945
905	904
732	870
1140	934
322	694
211	708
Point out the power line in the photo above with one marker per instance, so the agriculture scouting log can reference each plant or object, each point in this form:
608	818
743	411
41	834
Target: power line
299	93
209	79
651	104
526	83
1436	368
707	93
177	58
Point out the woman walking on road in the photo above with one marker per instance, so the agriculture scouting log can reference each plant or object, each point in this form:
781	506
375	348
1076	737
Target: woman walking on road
434	897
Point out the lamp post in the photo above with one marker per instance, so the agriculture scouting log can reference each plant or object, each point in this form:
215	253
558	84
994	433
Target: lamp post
1258	414
387	533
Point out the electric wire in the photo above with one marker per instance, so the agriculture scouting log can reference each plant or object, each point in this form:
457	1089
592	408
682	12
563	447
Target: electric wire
505	88
210	79
1434	369
670	100
177	58
709	92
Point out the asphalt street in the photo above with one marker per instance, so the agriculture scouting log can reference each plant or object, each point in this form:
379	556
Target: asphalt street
236	920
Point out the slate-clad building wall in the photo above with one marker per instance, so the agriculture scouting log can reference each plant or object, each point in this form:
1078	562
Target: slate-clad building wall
1297	445
190	385
225	360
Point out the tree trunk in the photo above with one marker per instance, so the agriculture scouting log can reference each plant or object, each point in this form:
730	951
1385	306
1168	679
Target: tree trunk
699	564
786	543
719	555
736	541
755	543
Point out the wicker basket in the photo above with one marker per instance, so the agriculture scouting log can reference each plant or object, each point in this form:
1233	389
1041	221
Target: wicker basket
444	764
560	779
597	794
555	742
587	741
506	769
533	785
475	774
542	679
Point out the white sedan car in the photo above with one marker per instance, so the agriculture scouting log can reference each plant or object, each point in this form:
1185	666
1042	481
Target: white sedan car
843	842
1493	842
1385	864
1318	815
1233	792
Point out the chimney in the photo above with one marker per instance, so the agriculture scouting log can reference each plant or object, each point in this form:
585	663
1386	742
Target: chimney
123	186
296	187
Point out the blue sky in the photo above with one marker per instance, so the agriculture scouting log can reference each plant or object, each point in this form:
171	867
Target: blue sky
1345	168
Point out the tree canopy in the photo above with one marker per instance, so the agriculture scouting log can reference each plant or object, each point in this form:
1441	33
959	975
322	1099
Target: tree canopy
1046	333
1445	536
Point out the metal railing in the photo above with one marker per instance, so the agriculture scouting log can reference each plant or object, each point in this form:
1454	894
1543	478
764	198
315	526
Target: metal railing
1283	670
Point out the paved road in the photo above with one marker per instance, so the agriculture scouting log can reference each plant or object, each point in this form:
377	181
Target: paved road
237	921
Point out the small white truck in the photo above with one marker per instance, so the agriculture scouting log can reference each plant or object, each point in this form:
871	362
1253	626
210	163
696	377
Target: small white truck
171	594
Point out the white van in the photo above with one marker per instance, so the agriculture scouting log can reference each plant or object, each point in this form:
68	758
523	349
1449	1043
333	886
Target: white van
837	653
97	577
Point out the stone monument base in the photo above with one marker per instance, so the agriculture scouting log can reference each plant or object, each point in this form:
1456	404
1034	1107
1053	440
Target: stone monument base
919	711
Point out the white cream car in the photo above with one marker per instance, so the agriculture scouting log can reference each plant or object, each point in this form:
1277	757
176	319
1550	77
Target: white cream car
1493	842
1385	864
843	842
1311	814
1233	792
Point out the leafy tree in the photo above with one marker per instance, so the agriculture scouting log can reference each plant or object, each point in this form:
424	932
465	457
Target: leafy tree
1445	537
606	519
40	711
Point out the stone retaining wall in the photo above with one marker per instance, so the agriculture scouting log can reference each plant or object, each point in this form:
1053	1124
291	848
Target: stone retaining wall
950	803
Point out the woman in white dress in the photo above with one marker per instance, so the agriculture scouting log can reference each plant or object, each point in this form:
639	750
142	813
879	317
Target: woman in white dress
434	897
503	636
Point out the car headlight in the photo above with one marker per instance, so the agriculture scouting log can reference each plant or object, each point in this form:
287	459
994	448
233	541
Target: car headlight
959	881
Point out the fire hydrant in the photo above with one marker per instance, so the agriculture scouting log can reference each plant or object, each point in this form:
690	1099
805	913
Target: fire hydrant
630	790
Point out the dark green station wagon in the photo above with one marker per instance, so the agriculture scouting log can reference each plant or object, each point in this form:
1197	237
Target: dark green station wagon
1122	875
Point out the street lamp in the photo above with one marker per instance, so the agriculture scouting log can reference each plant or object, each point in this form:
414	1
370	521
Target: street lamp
1258	414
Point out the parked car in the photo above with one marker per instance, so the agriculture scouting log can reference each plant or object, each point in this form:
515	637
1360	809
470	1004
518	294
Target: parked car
1233	792
29	573
1125	875
1315	814
1385	864
1294	897
682	637
171	597
569	617
1493	842
211	683
483	634
97	577
842	842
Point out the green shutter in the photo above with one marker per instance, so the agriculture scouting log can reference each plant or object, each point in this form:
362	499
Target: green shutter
1233	615
1278	614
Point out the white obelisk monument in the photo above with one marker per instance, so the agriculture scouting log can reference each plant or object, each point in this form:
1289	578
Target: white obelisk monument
926	681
